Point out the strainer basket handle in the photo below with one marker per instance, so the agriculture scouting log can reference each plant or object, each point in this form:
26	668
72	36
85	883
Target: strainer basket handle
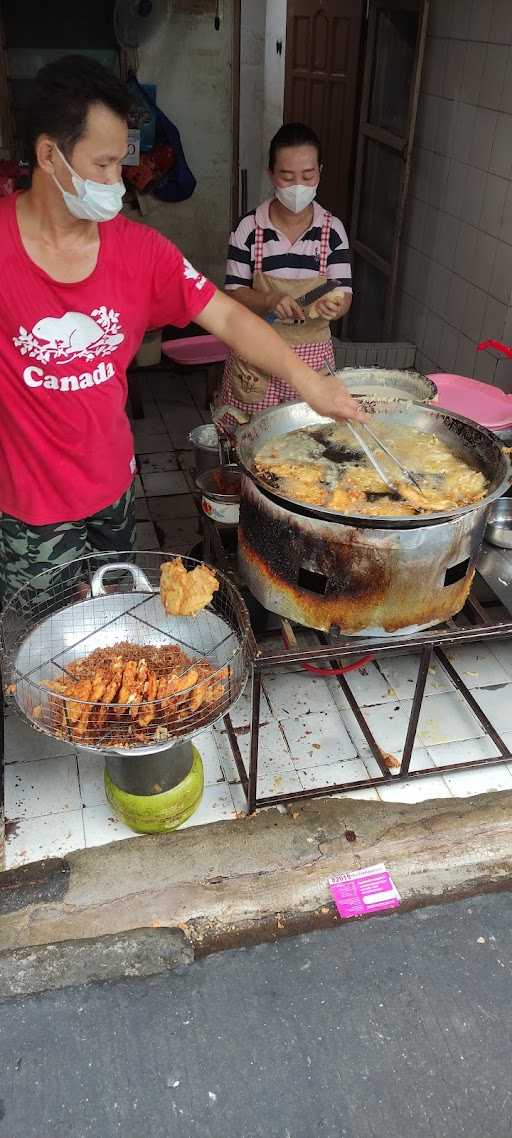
140	581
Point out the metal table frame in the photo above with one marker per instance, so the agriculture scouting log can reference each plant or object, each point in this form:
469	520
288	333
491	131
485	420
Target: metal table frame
432	643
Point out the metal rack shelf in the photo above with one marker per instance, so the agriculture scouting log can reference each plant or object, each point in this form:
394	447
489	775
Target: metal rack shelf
474	625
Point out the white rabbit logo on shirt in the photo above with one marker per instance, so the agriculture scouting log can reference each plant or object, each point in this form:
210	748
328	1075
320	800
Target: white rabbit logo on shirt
75	335
191	274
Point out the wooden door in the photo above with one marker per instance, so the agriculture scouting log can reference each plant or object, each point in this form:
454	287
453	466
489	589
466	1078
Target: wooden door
323	45
393	63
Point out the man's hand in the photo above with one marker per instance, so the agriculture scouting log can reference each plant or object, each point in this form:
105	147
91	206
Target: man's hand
329	396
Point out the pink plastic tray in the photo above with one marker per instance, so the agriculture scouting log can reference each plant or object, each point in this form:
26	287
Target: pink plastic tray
196	351
481	402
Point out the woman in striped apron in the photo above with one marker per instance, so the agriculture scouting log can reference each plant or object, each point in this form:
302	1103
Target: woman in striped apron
285	248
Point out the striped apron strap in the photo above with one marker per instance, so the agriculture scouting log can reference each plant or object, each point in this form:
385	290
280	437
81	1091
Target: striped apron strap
258	249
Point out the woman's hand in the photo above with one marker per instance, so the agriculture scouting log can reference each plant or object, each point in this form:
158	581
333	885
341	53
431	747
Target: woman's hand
330	308
260	345
286	308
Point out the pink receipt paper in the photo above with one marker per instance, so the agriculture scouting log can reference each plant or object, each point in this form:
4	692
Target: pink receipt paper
364	891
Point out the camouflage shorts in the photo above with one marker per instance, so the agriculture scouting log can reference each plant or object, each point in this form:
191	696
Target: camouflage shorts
27	550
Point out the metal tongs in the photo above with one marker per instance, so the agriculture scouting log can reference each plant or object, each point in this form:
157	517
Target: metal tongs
369	454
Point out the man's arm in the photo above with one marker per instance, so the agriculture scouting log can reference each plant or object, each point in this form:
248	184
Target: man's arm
258	344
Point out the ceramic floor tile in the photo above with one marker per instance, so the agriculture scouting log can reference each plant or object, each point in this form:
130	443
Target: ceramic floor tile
239	799
190	479
502	649
186	460
227	762
91	769
147	398
420	760
157	462
196	385
272	782
418	790
401	673
331	773
179	416
180	440
102	827
463	784
206	744
179	536
294	695
273	756
169	397
171	507
139	489
348	719
369	794
241	711
477	665
463	752
497	705
370	686
147	443
446	718
150	427
165	482
25	744
388	724
147	537
318	739
36	838
40	788
216	806
141	510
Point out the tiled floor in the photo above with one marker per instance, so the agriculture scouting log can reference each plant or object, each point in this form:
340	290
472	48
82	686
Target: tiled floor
55	800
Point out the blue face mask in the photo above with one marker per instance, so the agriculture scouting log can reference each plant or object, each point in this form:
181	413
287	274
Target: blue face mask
93	201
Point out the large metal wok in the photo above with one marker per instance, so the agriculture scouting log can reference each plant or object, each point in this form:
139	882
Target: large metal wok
364	575
468	440
67	613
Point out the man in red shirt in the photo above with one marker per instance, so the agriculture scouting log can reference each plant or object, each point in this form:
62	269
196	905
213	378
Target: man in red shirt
80	286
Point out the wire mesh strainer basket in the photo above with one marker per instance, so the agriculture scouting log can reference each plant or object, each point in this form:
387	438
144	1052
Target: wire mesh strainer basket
91	656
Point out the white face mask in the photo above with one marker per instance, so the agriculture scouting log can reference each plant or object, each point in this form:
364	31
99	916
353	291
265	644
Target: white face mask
296	198
93	201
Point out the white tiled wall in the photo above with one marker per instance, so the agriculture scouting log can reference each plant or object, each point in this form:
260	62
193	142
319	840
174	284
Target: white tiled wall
456	270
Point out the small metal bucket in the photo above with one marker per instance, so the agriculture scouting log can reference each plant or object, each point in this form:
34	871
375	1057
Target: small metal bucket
206	454
220	495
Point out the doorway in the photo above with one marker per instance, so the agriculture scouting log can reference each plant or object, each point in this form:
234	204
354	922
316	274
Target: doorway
323	50
392	73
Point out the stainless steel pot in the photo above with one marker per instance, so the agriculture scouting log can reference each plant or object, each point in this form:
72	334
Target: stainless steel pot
499	524
367	576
